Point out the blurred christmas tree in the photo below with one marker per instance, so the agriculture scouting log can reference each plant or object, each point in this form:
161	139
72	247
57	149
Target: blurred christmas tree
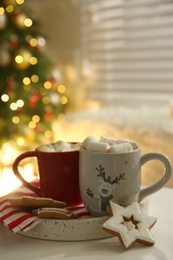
31	94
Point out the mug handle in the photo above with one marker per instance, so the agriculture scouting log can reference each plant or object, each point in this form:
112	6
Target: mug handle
19	176
165	178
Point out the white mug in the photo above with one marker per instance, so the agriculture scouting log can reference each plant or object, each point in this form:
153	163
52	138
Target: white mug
117	177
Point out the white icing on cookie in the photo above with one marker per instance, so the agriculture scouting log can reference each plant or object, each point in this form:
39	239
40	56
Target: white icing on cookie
130	224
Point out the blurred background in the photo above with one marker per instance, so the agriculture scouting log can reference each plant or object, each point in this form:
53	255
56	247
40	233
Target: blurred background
89	67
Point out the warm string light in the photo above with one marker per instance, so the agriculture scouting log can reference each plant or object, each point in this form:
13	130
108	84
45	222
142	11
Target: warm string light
33	61
61	88
34	78
2	11
18	104
63	100
9	9
48	85
4	97
20	2
33	42
28	22
48	134
20	20
37	43
48	93
41	41
23	57
24	60
15	119
14	106
20	141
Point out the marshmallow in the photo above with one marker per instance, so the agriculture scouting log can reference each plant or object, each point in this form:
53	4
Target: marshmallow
98	147
112	141
108	139
87	141
66	149
75	146
46	148
62	146
107	144
120	141
134	145
121	148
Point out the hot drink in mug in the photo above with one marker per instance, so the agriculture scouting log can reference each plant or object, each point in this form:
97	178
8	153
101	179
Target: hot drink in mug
110	169
58	170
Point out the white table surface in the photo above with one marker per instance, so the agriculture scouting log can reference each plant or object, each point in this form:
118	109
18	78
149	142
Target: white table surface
15	246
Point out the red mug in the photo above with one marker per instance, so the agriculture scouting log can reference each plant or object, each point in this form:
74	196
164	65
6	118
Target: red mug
58	174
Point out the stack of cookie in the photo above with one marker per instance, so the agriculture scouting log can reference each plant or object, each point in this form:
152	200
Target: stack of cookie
42	207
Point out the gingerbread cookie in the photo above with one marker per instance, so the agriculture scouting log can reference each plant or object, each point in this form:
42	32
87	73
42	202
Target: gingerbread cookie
129	225
57	213
30	203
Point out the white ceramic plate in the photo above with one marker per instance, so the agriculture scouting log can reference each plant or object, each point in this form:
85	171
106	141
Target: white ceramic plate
86	228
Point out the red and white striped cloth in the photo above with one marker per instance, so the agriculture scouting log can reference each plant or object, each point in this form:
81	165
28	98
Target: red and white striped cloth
18	220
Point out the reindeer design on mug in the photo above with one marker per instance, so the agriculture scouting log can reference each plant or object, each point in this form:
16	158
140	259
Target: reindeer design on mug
105	189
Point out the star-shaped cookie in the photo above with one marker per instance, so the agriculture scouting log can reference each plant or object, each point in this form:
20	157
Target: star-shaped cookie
129	225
